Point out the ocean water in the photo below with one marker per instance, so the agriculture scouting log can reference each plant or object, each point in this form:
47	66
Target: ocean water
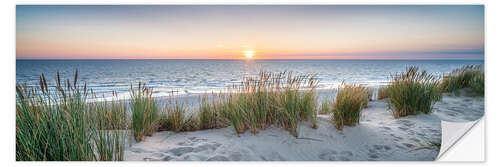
188	77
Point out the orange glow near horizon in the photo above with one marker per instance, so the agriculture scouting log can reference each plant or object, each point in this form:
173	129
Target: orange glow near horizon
249	54
249	32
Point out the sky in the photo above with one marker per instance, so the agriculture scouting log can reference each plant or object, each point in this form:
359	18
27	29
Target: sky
250	32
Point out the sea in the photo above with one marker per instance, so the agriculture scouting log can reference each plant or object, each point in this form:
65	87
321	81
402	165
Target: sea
192	77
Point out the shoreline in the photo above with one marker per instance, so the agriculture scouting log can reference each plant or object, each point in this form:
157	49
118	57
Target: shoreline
453	108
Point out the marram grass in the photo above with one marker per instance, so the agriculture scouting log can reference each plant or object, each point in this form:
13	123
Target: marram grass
350	100
56	124
326	107
470	76
413	92
173	118
280	99
145	112
113	113
382	93
476	83
210	114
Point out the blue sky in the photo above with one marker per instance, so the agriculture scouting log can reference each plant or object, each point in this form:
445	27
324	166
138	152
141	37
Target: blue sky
267	31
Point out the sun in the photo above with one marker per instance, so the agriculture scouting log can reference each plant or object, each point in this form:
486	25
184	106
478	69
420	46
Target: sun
249	54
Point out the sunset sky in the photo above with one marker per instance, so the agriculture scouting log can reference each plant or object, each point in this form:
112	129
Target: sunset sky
256	32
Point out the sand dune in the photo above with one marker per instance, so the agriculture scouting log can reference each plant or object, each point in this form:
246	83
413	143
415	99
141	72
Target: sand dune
459	108
378	137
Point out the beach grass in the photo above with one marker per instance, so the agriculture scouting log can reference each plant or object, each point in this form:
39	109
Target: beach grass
477	83
191	123
326	107
382	93
280	99
111	124
145	112
369	94
413	92
110	115
109	144
55	124
210	112
350	100
470	76
308	105
174	117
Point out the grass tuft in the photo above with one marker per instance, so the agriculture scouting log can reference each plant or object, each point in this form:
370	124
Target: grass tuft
280	99
173	118
350	100
145	112
382	93
413	92
326	107
470	76
477	83
110	115
210	114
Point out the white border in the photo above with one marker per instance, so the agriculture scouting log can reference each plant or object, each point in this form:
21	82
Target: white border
7	64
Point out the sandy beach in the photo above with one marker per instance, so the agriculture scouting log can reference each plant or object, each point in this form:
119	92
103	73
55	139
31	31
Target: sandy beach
459	108
378	137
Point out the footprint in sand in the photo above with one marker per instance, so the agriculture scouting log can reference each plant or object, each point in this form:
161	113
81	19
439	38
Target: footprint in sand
194	139
345	155
329	155
415	140
185	143
373	156
411	132
191	141
180	150
208	146
451	114
167	158
401	147
158	155
381	147
406	123
188	158
396	138
408	145
377	149
403	128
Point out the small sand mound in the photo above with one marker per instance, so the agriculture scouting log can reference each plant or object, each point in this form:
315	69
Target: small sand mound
459	108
